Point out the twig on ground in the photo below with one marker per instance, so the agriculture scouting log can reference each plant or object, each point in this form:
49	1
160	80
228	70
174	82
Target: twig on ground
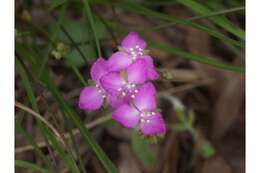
66	135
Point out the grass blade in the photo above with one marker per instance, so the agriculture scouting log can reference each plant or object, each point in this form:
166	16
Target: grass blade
47	134
201	59
219	20
142	149
29	138
30	166
74	144
80	77
185	55
55	4
72	115
90	18
62	152
218	13
54	34
139	9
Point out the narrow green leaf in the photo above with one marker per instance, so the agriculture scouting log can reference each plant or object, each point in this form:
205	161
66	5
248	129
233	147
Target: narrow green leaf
219	20
80	77
221	12
55	4
30	166
36	148
182	54
61	151
139	9
205	60
54	34
218	13
78	49
90	17
75	146
72	115
142	149
27	85
47	134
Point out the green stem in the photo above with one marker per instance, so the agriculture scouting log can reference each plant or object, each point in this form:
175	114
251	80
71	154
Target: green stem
90	18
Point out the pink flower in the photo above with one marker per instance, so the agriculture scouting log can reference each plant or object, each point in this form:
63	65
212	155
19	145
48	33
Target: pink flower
124	86
92	97
122	80
141	110
132	48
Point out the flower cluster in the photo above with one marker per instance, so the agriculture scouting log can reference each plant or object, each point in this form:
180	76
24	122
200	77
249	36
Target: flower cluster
125	81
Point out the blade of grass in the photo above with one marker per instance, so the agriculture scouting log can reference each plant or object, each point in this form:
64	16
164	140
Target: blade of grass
75	132
218	13
205	60
74	44
212	14
54	34
30	166
74	144
219	20
44	130
30	94
80	77
142	149
72	115
29	138
55	143
139	9
39	117
62	152
55	4
183	54
90	18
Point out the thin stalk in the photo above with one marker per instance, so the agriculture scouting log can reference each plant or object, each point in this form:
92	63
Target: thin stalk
90	18
74	44
67	135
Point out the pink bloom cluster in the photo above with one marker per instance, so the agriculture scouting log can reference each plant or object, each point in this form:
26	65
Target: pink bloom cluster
124	80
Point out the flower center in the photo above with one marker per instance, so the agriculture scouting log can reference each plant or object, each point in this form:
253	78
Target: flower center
145	115
134	52
101	90
128	89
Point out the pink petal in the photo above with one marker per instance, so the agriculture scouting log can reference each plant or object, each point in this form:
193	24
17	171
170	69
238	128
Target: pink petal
133	39
153	125
136	72
145	99
151	71
118	61
111	82
98	69
90	98
115	101
126	115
